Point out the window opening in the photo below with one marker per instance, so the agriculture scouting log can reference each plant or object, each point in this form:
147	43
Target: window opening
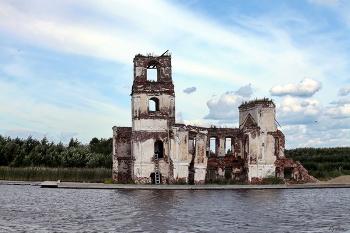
212	173
246	147
152	75
152	71
277	142
212	146
158	149
192	144
287	173
153	104
228	144
228	173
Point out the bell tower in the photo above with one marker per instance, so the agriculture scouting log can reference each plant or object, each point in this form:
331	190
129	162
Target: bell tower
153	114
153	100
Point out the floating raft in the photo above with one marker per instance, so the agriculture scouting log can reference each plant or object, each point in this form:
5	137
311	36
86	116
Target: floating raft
16	182
50	184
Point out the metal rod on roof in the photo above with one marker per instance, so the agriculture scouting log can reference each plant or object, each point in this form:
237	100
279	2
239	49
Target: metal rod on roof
278	123
164	53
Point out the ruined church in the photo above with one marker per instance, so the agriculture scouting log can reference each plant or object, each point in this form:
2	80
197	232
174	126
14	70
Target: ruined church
158	150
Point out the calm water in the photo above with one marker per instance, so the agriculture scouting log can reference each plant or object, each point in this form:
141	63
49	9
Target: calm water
35	209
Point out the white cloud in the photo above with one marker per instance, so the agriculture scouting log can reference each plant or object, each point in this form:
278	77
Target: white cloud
306	88
290	111
344	91
245	91
339	111
317	138
199	122
178	117
215	55
341	101
163	24
92	117
224	108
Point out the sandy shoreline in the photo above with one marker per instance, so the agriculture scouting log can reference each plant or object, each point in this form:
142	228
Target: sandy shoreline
337	180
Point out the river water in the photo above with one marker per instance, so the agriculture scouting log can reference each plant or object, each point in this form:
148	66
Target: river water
34	209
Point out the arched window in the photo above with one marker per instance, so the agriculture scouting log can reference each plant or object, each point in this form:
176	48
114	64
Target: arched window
153	104
159	149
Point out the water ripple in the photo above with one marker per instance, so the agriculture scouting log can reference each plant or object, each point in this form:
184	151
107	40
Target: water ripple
32	209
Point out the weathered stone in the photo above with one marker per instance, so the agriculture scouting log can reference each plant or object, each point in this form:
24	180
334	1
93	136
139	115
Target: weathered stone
156	144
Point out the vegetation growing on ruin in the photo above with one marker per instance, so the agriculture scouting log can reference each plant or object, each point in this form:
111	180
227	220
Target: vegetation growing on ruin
224	182
272	180
323	163
256	100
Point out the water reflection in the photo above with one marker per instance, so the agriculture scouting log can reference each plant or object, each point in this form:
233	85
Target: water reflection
31	209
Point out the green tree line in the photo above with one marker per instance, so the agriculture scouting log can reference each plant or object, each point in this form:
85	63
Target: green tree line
323	162
31	152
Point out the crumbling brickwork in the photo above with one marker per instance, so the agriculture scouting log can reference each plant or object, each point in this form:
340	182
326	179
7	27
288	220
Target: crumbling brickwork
157	150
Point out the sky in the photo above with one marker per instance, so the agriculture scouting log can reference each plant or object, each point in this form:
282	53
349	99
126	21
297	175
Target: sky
66	67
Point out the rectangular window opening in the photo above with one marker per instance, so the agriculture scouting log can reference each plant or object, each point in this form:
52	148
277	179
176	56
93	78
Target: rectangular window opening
212	146
228	145
152	75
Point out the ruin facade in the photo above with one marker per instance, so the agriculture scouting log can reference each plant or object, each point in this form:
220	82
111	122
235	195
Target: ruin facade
158	150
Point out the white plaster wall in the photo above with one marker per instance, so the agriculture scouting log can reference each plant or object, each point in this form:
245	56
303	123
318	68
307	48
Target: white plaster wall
253	146
200	161
181	170
221	147
270	149
164	168
159	125
141	103
138	71
200	172
260	170
143	169
266	119
143	152
179	146
262	148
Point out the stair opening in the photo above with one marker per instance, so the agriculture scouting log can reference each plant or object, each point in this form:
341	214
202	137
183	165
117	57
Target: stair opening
154	178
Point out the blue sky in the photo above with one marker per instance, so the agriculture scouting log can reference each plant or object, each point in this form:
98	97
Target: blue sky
66	66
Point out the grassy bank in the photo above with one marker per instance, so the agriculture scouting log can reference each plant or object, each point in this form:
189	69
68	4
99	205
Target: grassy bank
63	174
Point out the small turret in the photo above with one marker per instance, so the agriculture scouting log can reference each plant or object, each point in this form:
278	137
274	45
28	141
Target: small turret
258	112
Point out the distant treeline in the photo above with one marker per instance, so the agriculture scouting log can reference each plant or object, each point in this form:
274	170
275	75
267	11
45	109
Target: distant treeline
323	162
31	152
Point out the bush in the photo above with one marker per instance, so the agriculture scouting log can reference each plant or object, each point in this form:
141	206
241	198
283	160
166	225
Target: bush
272	180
